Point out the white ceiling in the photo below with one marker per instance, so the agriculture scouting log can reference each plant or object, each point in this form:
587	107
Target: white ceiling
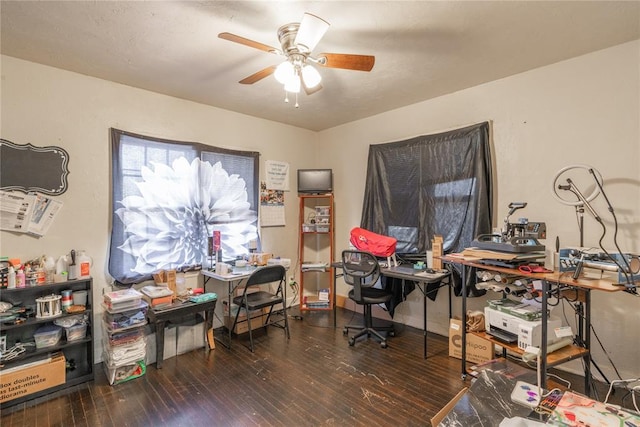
423	49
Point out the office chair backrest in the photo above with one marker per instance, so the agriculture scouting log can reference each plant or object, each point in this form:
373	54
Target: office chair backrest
361	270
268	274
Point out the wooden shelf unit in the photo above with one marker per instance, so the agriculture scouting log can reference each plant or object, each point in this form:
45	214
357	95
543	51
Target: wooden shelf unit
563	284
316	246
558	357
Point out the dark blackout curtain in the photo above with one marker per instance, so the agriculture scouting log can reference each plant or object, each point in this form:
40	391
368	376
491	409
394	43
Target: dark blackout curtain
428	185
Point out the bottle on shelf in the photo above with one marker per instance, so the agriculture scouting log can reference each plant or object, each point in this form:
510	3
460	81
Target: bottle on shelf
84	263
49	265
11	278
20	279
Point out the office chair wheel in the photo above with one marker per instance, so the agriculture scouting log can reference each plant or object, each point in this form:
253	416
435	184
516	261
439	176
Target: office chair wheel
345	331
392	333
383	344
352	342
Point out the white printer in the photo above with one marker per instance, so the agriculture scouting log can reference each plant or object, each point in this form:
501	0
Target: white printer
509	328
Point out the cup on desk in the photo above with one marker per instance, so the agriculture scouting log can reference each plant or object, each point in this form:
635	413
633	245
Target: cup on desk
222	268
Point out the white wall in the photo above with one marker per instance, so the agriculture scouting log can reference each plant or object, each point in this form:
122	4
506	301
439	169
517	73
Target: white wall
584	110
47	106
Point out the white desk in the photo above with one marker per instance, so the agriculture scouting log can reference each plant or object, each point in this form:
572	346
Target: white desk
233	280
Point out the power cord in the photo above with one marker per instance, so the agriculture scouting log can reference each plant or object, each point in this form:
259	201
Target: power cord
624	382
295	288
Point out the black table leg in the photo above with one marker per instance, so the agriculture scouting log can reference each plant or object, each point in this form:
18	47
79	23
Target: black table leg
424	318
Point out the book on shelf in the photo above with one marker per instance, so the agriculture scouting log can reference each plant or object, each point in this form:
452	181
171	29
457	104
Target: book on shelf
315	302
314	266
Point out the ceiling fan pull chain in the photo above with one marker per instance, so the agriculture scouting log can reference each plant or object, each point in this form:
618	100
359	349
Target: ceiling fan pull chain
286	97
297	105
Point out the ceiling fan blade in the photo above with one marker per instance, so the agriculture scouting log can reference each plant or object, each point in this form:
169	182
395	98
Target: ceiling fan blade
311	30
347	61
310	91
247	42
266	72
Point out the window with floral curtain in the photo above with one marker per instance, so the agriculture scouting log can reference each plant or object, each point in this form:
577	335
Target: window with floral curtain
169	197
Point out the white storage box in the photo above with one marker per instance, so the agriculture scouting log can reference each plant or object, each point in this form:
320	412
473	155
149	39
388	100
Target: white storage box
322	211
122	300
308	228
323	228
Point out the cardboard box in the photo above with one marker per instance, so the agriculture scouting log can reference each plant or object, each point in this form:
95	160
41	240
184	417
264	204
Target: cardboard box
242	326
32	379
259	258
258	317
478	349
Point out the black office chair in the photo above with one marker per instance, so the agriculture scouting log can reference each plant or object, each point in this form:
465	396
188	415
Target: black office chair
252	300
361	270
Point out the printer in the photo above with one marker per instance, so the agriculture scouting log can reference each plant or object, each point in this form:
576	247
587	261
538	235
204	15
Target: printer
509	328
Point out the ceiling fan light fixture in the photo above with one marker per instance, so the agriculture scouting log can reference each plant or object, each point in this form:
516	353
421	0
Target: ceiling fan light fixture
311	76
284	72
293	85
310	32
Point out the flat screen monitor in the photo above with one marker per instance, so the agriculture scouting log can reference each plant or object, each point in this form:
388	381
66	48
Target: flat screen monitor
315	181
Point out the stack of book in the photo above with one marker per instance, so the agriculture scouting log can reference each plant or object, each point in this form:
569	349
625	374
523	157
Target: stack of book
315	302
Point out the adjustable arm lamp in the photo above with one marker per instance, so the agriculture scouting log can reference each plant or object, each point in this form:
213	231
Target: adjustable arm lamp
583	201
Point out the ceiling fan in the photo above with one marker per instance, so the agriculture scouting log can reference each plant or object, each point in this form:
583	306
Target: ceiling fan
297	41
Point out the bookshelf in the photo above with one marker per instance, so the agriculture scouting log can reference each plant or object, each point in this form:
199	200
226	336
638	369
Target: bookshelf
316	252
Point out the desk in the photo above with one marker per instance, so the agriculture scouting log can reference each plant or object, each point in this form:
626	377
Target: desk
421	281
161	316
561	283
486	403
232	280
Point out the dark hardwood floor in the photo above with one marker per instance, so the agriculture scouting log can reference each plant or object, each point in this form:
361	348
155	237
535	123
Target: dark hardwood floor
313	379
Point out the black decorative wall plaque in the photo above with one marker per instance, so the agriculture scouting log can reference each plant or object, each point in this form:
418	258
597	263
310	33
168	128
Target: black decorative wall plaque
29	168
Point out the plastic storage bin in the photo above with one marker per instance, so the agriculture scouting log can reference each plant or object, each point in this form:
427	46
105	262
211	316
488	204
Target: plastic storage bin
119	374
323	228
47	336
124	299
133	317
76	332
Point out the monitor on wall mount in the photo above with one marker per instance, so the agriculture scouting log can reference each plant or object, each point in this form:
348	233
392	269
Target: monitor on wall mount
315	181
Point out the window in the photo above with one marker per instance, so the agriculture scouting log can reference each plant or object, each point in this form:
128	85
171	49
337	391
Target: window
428	185
168	199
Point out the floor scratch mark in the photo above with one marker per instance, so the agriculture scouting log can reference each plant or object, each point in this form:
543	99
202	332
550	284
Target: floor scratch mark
376	377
